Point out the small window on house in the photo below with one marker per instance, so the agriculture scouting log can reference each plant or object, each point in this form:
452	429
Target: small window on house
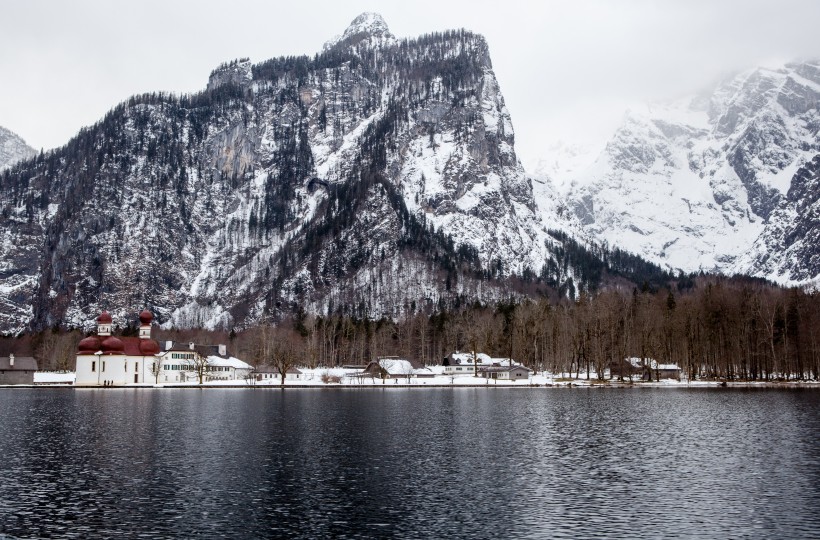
136	367
93	366
103	366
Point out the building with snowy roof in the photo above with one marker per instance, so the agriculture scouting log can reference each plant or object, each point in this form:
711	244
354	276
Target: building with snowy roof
393	367
182	362
650	369
469	363
270	373
505	373
107	360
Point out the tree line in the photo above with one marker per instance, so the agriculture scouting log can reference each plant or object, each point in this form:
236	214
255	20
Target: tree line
719	328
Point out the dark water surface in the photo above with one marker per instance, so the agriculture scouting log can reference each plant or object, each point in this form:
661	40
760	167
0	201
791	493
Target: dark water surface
412	463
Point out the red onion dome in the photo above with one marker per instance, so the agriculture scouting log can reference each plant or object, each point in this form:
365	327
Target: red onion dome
146	317
113	345
149	347
104	318
90	344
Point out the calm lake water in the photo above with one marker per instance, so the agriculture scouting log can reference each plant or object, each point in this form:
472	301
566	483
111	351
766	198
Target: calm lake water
412	463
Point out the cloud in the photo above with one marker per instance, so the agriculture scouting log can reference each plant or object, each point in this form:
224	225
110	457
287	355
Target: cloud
567	69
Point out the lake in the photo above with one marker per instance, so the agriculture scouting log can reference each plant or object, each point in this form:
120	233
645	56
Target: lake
410	463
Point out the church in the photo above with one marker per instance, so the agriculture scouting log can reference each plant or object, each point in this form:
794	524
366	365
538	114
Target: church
106	360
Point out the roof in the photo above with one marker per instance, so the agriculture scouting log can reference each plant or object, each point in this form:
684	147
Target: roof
22	363
131	347
651	363
467	358
228	362
179	346
265	368
394	365
414	363
499	369
462	358
202	350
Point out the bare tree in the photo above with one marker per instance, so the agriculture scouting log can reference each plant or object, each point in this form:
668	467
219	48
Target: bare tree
57	350
286	350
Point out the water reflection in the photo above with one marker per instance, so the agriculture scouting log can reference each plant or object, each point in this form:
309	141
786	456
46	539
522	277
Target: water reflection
488	463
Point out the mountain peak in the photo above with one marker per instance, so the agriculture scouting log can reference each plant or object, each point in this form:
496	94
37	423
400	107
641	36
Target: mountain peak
367	25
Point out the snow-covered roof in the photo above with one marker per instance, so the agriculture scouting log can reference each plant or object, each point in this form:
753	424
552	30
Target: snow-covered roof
481	359
652	364
467	358
228	362
400	366
498	369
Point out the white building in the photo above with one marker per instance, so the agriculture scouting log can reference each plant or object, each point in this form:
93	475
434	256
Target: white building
467	363
106	360
182	362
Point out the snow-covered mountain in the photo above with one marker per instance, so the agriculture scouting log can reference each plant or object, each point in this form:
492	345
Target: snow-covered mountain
717	182
378	177
12	148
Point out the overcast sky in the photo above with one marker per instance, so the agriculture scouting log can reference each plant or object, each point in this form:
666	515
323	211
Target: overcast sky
567	69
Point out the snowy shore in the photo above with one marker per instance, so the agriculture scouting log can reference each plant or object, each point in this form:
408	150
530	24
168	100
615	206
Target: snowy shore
351	378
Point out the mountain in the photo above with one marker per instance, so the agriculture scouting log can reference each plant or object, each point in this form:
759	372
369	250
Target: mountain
376	178
12	148
718	182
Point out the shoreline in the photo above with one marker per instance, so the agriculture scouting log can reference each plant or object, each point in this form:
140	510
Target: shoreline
581	384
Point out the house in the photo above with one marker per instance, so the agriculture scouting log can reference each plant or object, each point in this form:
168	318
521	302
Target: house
650	369
266	373
182	362
17	370
625	368
461	363
465	363
514	373
393	367
107	360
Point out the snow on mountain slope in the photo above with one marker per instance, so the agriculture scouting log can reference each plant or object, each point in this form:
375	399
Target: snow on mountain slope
378	177
13	148
694	184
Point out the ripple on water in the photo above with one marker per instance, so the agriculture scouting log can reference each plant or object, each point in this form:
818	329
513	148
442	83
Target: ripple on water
534	463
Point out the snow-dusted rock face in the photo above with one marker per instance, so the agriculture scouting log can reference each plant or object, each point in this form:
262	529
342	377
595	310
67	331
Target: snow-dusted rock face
369	27
379	176
695	184
238	72
788	250
13	148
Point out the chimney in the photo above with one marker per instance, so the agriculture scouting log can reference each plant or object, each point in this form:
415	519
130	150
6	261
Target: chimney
191	345
11	360
223	351
169	345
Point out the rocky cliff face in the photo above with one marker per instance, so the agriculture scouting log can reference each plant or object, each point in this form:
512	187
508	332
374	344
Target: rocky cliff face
788	249
378	177
696	184
12	149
